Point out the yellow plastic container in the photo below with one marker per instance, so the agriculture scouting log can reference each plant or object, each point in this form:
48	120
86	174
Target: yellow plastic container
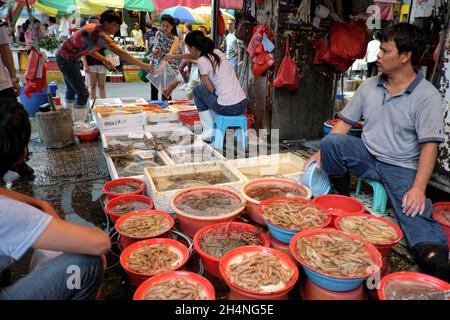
131	76
55	76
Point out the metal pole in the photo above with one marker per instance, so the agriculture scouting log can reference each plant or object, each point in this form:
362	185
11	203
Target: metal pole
410	11
215	7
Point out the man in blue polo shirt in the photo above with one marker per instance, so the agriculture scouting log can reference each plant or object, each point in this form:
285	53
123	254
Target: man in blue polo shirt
403	127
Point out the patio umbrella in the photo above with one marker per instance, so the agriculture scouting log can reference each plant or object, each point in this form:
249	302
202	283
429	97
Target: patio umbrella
184	14
205	13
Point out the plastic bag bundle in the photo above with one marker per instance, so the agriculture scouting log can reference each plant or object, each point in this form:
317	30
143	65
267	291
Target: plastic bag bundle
165	79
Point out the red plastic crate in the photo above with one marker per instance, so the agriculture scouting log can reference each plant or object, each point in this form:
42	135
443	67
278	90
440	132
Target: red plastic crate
118	78
52	66
189	117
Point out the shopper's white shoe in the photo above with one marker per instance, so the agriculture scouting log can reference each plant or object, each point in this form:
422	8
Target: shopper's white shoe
207	120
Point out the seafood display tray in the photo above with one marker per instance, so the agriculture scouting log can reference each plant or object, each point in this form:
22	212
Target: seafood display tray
164	127
155	117
196	153
123	137
117	122
285	165
108	102
133	100
116	174
162	199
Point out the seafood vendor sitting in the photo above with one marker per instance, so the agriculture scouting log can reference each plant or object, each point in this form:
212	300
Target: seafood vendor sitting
402	130
220	91
75	270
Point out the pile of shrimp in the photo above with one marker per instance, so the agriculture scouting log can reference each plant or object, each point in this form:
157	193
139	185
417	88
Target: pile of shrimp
144	226
294	215
152	259
257	271
370	229
175	289
335	254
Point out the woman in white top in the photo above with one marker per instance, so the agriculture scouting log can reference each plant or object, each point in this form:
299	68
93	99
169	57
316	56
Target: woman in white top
220	90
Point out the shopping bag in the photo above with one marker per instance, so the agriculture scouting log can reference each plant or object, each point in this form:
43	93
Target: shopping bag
165	79
287	75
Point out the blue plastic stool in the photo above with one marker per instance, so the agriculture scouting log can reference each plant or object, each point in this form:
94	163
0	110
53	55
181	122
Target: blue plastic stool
380	197
221	123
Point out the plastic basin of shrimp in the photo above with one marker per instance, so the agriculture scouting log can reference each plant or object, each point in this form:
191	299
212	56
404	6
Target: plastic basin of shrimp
126	240
210	262
122	181
282	234
438	215
336	282
205	285
137	278
384	249
316	180
339	205
238	292
109	207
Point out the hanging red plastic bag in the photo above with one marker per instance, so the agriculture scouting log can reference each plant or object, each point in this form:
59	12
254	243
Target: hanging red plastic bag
287	75
321	50
261	63
220	24
36	84
349	40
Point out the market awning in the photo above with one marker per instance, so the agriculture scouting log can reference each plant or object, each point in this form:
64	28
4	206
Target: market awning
205	14
56	7
139	5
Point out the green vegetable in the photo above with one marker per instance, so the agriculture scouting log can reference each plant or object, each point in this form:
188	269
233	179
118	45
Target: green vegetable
49	44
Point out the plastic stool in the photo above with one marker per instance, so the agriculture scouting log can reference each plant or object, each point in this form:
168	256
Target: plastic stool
221	123
379	194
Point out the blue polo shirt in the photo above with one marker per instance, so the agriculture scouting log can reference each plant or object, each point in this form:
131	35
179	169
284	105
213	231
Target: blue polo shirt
395	126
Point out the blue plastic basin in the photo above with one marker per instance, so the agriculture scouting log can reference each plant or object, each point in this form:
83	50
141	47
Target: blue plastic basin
37	99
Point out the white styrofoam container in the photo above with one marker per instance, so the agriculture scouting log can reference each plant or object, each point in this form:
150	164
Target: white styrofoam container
164	127
270	165
122	122
115	175
108	102
162	199
156	117
198	152
133	100
106	136
176	108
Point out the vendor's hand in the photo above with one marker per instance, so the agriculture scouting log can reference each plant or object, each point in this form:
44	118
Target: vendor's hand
314	158
109	65
414	202
169	57
148	68
17	88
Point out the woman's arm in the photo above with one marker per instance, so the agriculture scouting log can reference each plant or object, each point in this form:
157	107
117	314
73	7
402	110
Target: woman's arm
174	47
186	56
69	237
207	83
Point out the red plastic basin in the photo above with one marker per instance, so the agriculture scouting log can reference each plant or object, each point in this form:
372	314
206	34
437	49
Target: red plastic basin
126	241
311	291
114	183
384	249
339	205
137	278
210	262
189	223
438	208
252	204
239	292
416	276
123	199
167	276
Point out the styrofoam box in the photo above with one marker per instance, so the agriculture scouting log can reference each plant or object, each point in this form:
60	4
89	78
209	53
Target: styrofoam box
270	165
120	121
115	175
163	127
133	100
156	117
162	199
110	135
180	107
108	102
198	152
